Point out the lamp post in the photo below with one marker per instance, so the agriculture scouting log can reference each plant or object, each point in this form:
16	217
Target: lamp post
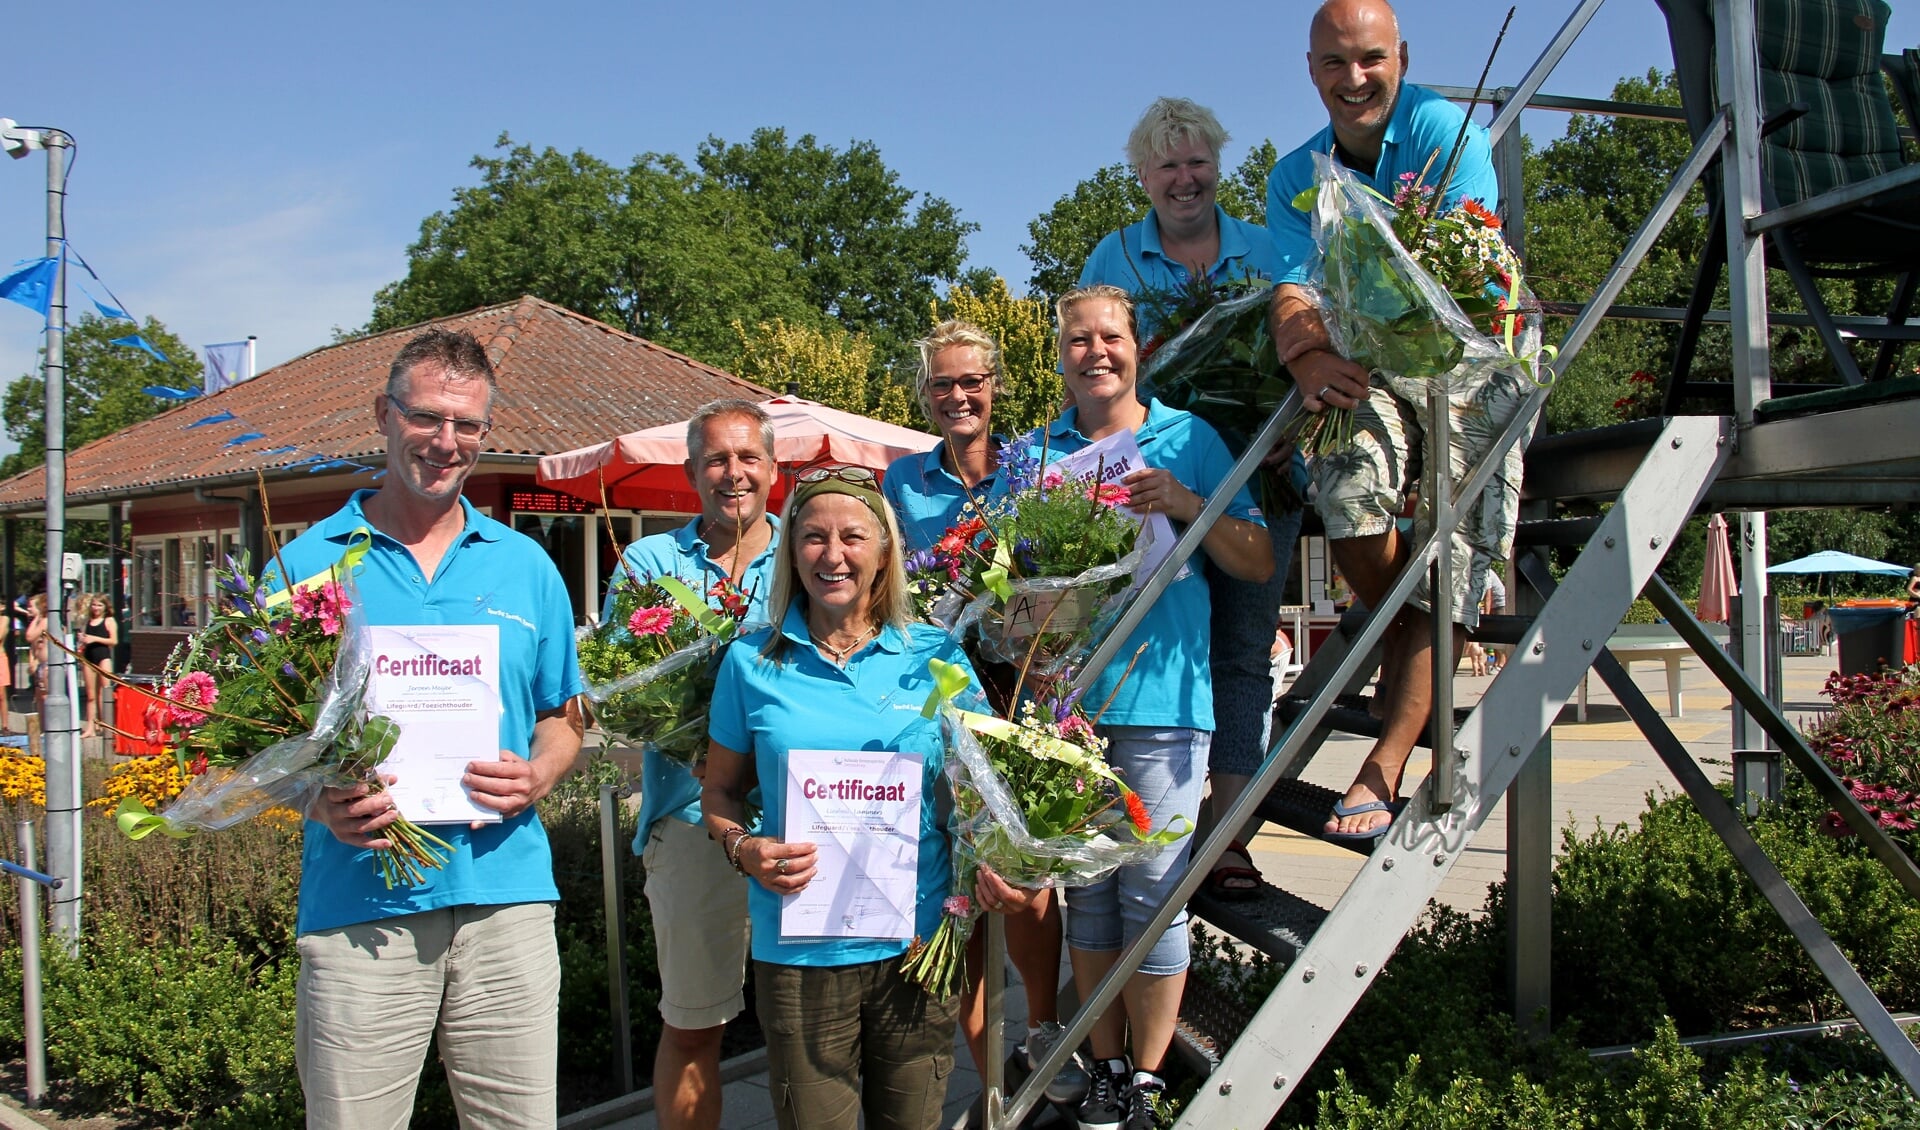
58	732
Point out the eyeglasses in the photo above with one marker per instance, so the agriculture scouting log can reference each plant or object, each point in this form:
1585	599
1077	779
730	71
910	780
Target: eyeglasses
858	476
422	422
965	382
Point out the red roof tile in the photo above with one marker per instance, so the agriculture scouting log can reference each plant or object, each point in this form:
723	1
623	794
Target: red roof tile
565	381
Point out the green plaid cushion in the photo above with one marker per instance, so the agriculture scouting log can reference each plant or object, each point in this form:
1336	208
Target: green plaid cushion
1825	53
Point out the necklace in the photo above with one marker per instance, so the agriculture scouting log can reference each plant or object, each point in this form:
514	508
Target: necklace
840	654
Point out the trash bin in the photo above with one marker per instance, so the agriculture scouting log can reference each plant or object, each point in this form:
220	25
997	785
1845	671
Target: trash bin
131	700
1870	638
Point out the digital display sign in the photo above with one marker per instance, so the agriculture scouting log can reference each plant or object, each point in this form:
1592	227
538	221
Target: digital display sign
548	502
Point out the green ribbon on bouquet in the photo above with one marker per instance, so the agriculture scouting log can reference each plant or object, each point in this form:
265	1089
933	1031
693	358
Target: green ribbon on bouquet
358	542
996	576
703	614
136	823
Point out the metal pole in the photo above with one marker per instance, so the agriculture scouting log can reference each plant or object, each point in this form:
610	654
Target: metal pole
616	915
1442	505
251	342
993	1052
33	1023
58	730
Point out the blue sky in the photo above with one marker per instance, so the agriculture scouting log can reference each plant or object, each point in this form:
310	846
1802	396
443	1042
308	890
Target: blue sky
261	168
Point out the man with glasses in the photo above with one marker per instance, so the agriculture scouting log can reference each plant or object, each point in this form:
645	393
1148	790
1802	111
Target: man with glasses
469	954
699	903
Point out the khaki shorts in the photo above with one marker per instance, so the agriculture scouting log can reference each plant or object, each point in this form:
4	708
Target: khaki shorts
699	906
1359	492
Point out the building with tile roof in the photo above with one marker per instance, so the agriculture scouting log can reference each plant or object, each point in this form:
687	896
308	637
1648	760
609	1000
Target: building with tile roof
188	479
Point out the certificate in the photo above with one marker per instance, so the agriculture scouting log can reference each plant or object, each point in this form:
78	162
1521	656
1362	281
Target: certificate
1113	458
861	811
440	683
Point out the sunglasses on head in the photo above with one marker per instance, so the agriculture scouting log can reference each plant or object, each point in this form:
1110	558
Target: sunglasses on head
858	476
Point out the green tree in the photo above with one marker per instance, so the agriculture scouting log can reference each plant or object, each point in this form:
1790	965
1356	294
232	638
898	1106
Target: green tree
654	249
831	366
103	395
1023	327
103	387
866	254
1065	234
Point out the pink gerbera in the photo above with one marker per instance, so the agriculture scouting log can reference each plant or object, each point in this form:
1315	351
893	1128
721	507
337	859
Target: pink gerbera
1112	494
194	689
650	621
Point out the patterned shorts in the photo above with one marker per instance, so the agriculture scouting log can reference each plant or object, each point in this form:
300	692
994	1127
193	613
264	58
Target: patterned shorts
1360	491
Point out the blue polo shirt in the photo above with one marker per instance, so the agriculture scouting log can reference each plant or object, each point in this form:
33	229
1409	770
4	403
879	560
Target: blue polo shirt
668	788
927	499
490	575
765	709
1422	122
1132	260
1172	683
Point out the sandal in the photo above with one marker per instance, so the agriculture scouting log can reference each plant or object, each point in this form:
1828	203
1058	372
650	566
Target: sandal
1232	882
1342	811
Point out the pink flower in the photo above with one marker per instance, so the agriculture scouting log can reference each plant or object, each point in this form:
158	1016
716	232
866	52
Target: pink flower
1076	728
1111	494
960	906
195	688
1052	479
327	604
650	621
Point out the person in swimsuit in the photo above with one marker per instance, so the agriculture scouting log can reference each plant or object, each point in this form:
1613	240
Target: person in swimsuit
98	637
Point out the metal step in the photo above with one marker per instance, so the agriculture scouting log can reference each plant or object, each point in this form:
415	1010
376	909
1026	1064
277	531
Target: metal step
1302	807
1273	921
1350	715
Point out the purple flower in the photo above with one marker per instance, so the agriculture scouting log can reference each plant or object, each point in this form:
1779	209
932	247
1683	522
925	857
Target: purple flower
260	635
287	669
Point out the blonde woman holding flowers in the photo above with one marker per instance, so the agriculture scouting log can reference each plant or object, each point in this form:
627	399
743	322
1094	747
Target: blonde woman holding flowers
843	671
1157	717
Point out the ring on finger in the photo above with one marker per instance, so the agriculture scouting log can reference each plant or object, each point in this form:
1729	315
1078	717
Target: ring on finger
780	865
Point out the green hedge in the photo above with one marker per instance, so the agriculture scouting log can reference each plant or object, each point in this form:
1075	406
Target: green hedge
180	1006
1655	929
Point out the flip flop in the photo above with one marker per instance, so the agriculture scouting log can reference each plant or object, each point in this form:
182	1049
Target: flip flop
1341	812
1224	874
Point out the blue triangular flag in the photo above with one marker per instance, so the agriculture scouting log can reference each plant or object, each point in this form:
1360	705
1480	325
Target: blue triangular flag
32	285
107	310
216	418
135	341
322	466
244	437
165	393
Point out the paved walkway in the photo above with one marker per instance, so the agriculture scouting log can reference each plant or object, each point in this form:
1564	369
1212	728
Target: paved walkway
1603	771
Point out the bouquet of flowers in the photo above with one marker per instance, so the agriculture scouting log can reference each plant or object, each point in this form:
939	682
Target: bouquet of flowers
941	580
1415	291
1215	357
263	708
1034	800
1051	561
649	669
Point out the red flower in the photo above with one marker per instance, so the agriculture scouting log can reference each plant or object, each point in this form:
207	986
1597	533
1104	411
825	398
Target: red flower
1111	494
1137	812
198	765
1473	208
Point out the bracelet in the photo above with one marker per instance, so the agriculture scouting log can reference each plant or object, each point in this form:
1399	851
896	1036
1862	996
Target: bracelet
732	847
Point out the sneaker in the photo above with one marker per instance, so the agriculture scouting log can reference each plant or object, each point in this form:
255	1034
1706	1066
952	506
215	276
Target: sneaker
1069	1084
1143	1101
1105	1106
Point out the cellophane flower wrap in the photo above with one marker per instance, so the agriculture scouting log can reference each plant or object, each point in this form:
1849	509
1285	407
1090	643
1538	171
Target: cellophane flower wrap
264	707
1217	360
1051	563
1036	801
649	669
1416	292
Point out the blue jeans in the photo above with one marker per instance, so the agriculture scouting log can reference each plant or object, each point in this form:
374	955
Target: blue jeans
1245	617
1168	768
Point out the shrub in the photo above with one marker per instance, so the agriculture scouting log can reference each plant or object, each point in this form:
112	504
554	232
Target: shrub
196	1033
1657	927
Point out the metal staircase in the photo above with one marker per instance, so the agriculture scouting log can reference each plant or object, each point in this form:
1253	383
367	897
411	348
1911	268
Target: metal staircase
1656	474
